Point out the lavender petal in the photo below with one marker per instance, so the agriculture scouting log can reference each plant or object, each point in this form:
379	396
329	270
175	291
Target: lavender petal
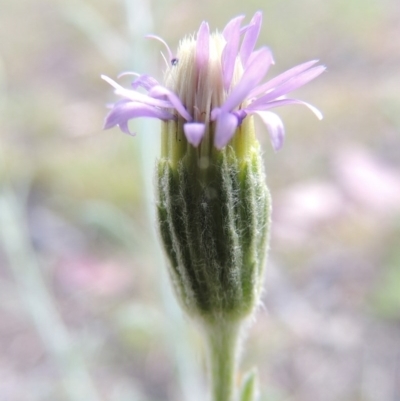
215	112
136	96
253	74
283	102
194	132
250	37
231	34
157	91
255	53
125	128
290	85
202	46
125	111
281	78
275	127
145	81
225	129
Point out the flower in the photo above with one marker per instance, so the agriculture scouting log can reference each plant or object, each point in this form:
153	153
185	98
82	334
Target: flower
215	78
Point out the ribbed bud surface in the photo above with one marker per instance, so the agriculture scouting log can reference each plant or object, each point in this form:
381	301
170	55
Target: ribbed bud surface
214	224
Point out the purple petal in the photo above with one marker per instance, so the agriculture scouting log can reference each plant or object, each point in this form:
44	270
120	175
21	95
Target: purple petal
202	46
253	74
225	129
281	78
290	85
254	54
275	128
215	112
194	132
231	34
232	26
283	102
159	90
136	96
145	81
250	37
125	111
240	115
125	128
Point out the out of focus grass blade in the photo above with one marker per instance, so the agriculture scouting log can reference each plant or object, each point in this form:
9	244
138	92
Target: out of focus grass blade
89	21
39	302
141	22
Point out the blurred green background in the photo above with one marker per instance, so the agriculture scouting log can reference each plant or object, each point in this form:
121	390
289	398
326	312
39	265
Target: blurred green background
86	311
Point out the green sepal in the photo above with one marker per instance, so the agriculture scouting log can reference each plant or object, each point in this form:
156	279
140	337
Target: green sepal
214	224
249	386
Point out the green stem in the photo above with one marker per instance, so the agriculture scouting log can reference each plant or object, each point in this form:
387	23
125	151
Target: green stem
223	339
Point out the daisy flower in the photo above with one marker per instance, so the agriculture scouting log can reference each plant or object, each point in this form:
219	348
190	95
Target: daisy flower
212	84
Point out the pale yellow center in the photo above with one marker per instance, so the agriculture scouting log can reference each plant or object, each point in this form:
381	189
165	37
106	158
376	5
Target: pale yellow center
200	90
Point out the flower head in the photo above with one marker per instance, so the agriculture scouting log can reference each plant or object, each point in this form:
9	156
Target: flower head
213	84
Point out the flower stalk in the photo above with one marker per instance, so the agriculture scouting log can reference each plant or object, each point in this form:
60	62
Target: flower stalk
223	347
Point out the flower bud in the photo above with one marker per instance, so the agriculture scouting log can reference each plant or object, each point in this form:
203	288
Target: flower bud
214	217
214	207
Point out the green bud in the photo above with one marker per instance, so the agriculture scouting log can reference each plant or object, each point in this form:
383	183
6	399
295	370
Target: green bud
214	218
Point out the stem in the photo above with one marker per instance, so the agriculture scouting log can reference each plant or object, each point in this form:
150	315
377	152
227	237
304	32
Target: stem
223	341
